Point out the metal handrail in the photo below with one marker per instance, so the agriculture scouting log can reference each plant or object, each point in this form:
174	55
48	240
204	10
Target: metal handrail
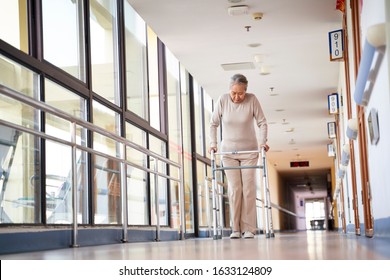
374	43
121	158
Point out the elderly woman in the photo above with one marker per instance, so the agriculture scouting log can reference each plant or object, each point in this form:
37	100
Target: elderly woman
244	128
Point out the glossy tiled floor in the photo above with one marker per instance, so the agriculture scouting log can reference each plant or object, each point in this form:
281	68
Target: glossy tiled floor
311	245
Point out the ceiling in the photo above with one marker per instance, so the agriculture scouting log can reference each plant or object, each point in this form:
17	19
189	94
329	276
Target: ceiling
291	42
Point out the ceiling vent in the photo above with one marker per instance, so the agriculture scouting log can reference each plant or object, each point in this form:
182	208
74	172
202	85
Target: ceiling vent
238	10
238	66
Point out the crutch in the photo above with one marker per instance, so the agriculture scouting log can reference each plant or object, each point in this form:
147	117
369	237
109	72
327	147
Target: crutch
267	199
217	231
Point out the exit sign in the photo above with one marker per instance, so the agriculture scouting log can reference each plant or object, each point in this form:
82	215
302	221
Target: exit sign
299	164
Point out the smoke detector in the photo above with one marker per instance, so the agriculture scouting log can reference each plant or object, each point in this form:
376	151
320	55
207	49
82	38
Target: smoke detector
238	10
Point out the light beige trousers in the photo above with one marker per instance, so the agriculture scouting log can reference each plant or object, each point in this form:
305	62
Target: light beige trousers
242	191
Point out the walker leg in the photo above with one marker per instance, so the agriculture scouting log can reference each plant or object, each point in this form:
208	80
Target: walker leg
267	199
214	198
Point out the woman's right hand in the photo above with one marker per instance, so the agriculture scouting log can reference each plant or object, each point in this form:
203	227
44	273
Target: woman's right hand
213	149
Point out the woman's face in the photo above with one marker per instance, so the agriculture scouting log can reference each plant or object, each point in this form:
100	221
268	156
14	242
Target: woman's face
237	92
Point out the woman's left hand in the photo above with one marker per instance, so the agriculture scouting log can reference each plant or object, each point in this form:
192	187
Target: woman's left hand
265	146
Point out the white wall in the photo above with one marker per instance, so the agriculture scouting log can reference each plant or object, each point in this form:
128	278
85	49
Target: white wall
379	155
373	12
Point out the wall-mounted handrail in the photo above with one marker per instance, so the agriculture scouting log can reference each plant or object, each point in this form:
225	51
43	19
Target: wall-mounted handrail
375	43
121	157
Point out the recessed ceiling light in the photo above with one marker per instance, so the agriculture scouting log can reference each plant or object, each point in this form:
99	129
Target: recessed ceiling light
264	70
259	58
254	45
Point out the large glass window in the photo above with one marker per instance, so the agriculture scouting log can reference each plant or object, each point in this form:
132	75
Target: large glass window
174	130
104	53
13	22
137	191
106	180
204	196
154	96
136	66
20	165
106	118
107	192
63	35
187	152
159	147
18	78
59	173
20	183
208	109
198	107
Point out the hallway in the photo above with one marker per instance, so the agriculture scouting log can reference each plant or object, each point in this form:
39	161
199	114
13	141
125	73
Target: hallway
310	245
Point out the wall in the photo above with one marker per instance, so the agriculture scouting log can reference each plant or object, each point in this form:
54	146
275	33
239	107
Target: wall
373	12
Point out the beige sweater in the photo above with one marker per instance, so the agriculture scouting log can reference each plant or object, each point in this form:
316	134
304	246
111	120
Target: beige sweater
238	124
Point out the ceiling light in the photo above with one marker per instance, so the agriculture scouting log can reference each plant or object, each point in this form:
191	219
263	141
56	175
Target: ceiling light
235	1
238	10
254	45
237	66
259	58
257	16
264	70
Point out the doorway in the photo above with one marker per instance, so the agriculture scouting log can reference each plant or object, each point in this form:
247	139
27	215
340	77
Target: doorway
315	214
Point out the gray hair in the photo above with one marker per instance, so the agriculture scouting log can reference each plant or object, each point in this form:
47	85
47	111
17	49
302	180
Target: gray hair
239	79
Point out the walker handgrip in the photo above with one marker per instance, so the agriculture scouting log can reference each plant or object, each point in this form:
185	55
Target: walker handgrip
237	152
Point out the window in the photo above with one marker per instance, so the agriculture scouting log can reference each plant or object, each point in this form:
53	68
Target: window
106	178
208	109
63	35
198	107
104	53
13	15
159	147
18	78
59	172
205	198
136	66
174	130
137	191
187	152
20	177
154	96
